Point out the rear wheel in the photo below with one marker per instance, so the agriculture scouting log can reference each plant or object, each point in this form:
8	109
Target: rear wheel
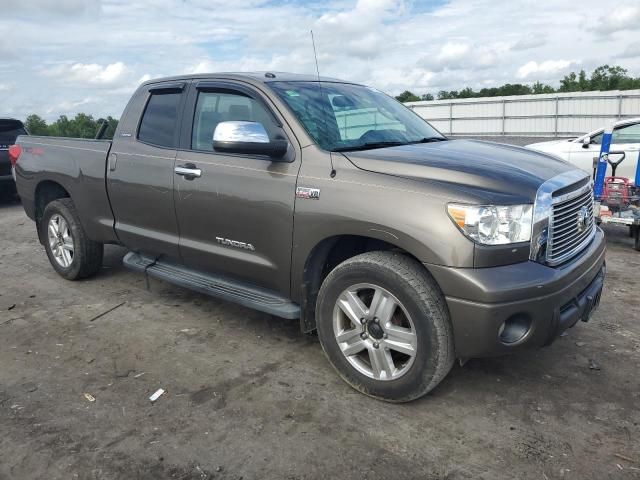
384	326
71	253
636	241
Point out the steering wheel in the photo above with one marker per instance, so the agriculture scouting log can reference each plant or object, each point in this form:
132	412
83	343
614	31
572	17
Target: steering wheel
370	136
387	135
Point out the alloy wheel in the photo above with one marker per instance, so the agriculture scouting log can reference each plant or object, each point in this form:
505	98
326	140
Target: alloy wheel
374	332
60	240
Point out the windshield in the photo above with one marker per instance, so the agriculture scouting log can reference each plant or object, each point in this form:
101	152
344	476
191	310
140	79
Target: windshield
342	117
9	131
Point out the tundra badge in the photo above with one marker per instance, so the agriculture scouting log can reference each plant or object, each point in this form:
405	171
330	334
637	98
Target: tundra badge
235	243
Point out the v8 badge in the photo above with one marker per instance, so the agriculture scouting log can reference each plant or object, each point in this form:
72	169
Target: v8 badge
307	192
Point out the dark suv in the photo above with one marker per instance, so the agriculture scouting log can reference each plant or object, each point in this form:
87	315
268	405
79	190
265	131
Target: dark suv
9	131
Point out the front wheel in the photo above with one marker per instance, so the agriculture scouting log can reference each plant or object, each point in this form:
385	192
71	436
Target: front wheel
384	326
71	253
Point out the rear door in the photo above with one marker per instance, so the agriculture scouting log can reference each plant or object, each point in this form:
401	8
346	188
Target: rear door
140	170
236	218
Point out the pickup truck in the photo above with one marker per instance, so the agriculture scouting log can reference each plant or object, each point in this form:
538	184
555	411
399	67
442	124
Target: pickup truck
328	202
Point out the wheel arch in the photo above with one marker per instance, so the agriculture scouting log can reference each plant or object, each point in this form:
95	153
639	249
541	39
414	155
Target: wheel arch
324	257
46	192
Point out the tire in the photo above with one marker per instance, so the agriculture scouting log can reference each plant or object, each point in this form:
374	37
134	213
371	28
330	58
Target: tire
636	241
84	259
420	310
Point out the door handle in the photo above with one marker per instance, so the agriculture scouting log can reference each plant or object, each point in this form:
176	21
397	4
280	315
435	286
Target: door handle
113	161
188	171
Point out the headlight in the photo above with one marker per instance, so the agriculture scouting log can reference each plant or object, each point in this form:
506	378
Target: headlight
493	225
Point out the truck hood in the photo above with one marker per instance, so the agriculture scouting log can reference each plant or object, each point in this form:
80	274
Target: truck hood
490	167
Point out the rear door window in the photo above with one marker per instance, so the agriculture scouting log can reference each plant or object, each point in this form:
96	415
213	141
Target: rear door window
159	123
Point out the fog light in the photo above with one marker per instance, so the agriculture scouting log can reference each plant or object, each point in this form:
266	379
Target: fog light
514	329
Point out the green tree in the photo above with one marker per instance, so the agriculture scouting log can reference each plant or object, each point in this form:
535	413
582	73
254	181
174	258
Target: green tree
466	93
583	82
569	83
407	96
608	78
538	88
444	95
427	97
36	125
61	127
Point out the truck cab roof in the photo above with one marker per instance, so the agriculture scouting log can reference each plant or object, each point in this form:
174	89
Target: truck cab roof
253	77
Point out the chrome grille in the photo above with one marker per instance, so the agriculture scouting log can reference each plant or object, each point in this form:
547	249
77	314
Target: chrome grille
571	225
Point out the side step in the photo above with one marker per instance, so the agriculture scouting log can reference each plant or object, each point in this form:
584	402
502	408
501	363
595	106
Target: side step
215	286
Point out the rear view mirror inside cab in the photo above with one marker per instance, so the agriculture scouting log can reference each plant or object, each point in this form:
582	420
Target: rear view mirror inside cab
340	101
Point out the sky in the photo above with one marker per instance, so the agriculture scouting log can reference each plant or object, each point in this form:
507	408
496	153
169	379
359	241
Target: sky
67	56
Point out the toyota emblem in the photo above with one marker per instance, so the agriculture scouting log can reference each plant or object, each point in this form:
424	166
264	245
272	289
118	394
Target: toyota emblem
583	219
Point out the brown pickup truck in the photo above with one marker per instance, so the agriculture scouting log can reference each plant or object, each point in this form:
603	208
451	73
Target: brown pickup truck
328	202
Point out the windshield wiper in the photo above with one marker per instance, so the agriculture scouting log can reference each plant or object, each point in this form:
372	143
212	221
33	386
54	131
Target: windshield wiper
368	146
429	140
372	145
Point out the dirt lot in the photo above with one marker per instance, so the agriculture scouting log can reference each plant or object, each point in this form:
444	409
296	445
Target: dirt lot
250	397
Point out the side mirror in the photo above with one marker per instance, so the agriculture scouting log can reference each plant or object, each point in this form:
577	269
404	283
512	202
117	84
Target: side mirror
586	141
249	138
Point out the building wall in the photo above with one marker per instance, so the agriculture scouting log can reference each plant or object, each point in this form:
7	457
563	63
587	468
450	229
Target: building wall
549	115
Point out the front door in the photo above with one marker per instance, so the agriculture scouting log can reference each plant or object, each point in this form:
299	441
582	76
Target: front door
236	217
140	173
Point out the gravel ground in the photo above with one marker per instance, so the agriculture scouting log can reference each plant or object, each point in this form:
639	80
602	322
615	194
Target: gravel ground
249	397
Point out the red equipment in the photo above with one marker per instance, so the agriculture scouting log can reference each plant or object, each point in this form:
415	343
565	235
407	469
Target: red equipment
617	192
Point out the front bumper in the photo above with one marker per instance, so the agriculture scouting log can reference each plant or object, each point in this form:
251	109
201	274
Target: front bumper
550	300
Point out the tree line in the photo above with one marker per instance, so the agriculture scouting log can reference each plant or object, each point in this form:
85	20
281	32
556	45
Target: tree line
80	126
602	78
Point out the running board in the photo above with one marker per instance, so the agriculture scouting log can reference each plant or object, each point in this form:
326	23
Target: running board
215	286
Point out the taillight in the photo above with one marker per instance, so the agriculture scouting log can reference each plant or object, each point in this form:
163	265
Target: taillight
14	153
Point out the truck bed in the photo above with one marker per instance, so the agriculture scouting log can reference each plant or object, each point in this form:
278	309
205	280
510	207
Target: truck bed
78	166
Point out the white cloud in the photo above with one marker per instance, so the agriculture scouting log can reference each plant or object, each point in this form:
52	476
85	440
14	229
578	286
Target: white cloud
544	69
527	43
145	78
453	51
49	7
68	106
63	52
624	17
463	55
631	51
203	66
91	73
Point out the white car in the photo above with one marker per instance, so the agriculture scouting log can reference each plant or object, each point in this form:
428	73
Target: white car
582	150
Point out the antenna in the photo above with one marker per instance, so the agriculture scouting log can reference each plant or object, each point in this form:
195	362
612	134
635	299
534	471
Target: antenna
315	55
324	118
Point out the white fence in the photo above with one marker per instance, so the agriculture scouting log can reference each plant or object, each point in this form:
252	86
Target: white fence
549	115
